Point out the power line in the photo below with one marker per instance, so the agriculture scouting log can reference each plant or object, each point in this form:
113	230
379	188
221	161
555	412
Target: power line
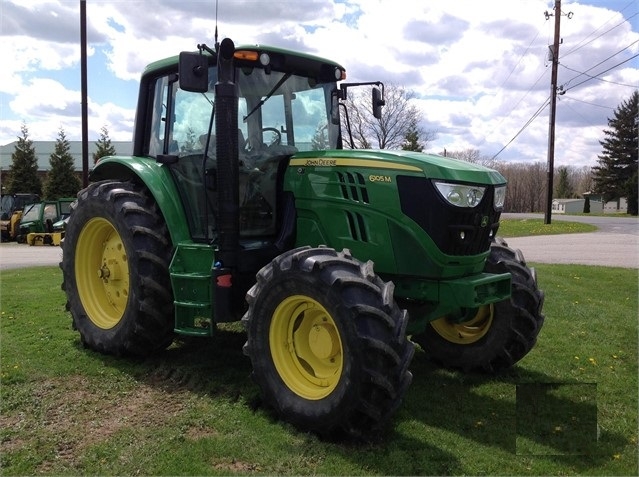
532	118
603	72
586	102
601	62
519	60
581	45
594	77
504	116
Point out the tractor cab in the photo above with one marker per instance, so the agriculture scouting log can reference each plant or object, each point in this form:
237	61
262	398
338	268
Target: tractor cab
283	107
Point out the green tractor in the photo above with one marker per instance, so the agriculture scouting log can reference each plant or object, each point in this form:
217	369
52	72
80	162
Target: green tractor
42	223
239	203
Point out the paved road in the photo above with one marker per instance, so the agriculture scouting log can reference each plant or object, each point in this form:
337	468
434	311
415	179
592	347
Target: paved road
615	244
19	255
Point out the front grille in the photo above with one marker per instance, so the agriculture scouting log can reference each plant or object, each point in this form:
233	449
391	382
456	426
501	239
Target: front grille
455	230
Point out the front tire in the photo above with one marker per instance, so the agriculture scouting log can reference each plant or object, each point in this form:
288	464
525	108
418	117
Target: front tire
115	270
500	334
327	342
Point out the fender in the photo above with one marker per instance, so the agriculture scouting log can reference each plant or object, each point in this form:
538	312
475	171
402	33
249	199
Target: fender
157	179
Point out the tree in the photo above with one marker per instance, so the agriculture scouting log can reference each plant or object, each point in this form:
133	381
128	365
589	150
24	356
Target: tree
191	143
564	189
472	155
468	155
399	117
616	174
581	178
104	146
62	180
632	193
411	140
319	141
24	167
526	189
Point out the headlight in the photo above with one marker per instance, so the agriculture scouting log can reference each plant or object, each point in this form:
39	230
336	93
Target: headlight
461	195
500	197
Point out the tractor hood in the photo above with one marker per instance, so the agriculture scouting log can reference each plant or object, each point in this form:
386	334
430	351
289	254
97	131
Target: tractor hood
431	166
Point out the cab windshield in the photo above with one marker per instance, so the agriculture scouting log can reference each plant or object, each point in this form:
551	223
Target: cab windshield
278	113
31	212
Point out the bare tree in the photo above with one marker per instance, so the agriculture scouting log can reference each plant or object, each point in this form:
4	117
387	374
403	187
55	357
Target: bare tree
400	117
526	186
526	182
582	179
472	155
468	155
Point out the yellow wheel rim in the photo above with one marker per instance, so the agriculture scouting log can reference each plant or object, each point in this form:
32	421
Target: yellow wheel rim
102	273
467	332
306	347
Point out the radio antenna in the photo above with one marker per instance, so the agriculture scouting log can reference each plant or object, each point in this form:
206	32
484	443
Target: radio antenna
217	43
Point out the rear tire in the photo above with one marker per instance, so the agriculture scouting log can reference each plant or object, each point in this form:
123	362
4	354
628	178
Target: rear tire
115	270
500	334
327	342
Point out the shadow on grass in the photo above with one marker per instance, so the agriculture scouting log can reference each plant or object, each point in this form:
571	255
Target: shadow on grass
521	412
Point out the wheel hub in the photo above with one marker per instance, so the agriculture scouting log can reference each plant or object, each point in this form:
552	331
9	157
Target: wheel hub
104	273
323	342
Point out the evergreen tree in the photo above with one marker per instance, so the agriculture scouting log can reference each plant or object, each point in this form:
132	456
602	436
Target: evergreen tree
632	194
190	143
616	174
411	139
564	189
319	141
105	148
24	167
62	180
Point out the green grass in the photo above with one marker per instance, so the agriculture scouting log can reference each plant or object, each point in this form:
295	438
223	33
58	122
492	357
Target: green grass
528	227
193	410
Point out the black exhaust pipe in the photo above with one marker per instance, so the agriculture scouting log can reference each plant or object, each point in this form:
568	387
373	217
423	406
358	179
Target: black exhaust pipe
227	149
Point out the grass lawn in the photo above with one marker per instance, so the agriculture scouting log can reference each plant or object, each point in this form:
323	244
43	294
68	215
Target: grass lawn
528	227
568	408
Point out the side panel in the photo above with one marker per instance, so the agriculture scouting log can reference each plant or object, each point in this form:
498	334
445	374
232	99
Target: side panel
158	180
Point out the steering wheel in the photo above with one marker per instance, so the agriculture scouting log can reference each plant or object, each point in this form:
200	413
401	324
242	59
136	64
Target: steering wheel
278	138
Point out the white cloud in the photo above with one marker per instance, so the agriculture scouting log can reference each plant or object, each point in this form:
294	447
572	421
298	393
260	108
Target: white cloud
479	71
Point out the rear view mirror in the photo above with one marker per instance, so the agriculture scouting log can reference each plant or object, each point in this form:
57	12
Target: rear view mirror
378	102
194	72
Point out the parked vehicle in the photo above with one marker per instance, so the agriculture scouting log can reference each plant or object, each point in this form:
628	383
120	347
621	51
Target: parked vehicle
37	224
11	206
240	203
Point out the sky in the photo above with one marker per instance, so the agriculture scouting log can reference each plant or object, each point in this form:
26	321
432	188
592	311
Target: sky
479	71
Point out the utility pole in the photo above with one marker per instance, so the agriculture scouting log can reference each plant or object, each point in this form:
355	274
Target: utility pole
554	51
84	93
